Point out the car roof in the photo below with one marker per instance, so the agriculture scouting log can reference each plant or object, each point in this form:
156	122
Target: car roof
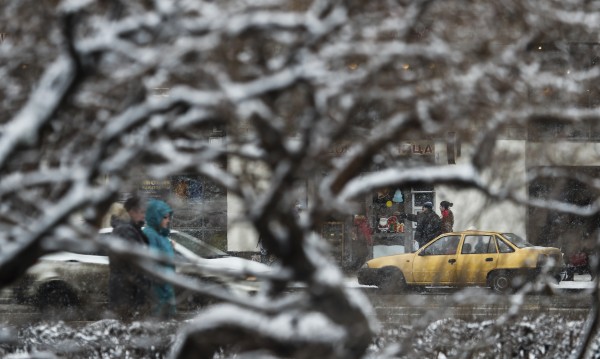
102	258
475	231
110	230
182	249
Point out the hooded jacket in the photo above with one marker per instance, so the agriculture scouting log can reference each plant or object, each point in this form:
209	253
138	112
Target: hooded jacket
159	241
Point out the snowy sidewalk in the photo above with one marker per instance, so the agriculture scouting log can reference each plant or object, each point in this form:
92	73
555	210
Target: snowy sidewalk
580	282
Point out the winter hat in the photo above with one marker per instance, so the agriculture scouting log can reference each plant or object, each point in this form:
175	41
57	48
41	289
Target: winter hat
428	205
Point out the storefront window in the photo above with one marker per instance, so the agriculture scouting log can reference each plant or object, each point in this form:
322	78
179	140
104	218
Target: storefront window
551	129
387	206
422	195
333	232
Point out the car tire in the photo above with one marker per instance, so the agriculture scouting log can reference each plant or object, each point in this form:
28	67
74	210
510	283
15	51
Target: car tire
56	294
501	282
391	280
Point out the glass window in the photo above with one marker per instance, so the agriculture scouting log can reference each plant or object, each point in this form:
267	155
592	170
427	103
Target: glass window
444	246
550	129
480	244
469	245
333	232
516	240
504	247
421	198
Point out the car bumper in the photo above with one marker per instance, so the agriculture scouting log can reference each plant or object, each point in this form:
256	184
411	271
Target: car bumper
368	276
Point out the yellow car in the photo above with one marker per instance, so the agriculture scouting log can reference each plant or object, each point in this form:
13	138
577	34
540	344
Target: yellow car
502	261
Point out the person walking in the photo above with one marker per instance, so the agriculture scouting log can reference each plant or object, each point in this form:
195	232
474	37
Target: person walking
158	220
429	224
447	217
128	287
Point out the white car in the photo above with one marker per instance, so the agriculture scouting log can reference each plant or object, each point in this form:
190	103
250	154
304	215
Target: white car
66	279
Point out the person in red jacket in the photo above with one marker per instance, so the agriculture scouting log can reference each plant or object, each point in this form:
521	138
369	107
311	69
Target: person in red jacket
447	216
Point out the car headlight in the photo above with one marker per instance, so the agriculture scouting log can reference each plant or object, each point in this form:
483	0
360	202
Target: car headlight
366	265
542	260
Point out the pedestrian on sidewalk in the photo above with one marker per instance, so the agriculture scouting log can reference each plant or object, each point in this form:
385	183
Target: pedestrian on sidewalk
429	224
158	220
447	217
128	286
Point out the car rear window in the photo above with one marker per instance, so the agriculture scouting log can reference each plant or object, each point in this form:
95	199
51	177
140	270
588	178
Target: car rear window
517	240
504	247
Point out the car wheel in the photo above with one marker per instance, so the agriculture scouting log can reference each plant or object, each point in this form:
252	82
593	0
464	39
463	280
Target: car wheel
391	280
501	282
56	294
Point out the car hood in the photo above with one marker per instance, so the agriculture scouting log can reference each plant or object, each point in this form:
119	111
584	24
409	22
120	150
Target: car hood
74	257
386	260
225	264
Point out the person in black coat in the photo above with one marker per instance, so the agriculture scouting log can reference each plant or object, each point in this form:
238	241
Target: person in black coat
128	287
429	224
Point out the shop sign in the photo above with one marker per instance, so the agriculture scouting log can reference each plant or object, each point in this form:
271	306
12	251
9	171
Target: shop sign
156	188
421	148
424	148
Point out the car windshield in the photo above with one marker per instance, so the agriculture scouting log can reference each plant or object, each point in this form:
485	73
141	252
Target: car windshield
517	240
197	246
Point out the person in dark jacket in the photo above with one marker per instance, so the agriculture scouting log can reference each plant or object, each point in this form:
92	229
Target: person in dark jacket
447	217
128	287
429	224
158	219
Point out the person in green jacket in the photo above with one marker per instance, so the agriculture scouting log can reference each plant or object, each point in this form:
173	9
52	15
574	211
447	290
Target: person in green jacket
158	220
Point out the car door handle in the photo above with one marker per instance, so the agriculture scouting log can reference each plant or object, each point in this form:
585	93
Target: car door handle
451	261
489	259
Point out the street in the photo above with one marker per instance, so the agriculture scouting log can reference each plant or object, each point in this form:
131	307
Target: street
573	301
473	305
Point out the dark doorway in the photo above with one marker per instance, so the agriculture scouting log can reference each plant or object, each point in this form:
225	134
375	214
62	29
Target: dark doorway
572	233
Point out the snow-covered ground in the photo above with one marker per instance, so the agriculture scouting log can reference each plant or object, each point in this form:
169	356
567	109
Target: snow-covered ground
580	282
